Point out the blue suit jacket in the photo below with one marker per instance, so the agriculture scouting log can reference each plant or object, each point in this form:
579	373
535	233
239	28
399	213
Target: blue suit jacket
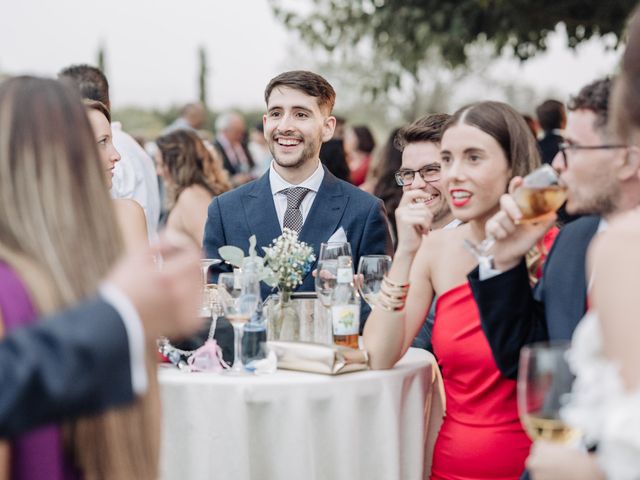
71	364
249	210
514	315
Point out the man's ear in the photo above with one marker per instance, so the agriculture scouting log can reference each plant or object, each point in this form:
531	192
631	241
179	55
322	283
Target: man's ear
631	165
328	128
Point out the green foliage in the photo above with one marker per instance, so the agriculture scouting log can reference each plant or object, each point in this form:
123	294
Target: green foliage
405	32
202	75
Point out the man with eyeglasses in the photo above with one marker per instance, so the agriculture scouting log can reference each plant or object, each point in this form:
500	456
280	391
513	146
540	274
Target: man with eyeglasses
602	179
419	143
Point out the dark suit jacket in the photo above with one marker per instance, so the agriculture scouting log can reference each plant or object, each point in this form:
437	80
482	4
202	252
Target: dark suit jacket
248	210
226	163
70	364
514	315
549	146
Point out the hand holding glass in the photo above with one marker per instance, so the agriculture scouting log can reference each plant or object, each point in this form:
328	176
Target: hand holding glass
540	194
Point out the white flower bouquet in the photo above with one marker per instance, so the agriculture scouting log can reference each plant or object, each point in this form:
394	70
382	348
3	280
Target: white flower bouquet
285	263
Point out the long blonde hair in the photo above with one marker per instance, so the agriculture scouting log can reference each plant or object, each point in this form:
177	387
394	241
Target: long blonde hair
59	233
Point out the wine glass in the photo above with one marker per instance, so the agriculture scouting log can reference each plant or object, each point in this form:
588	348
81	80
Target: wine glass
540	193
238	307
205	307
327	269
371	270
544	387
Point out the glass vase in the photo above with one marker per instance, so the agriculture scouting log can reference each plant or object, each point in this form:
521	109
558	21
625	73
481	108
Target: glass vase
282	317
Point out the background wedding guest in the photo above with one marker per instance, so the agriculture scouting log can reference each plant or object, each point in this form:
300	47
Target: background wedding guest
359	144
192	117
129	213
334	157
552	119
230	143
54	260
259	149
193	177
384	185
135	175
482	147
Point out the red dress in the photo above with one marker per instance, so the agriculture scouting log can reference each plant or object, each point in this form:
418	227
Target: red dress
481	436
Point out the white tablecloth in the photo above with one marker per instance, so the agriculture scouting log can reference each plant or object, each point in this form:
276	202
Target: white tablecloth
292	425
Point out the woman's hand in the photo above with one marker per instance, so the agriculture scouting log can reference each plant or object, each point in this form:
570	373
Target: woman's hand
413	219
554	461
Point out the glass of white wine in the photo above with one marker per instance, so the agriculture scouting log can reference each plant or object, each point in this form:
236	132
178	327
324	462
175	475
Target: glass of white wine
544	388
371	270
327	269
541	193
238	308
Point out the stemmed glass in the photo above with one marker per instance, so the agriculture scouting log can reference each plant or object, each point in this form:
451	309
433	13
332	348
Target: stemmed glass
205	263
540	193
371	270
544	387
238	307
327	269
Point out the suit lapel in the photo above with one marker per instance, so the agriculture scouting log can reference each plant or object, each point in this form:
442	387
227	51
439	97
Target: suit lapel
261	214
325	214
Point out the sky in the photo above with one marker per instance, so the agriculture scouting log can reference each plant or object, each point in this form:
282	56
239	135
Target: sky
151	49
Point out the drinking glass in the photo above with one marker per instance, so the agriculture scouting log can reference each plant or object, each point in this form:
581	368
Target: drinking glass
238	308
540	193
327	269
207	294
371	270
544	387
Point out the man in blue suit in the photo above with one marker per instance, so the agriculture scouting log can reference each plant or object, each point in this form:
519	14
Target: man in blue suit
298	192
91	357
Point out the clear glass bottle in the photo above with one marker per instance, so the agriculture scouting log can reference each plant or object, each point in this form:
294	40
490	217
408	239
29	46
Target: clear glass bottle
255	331
345	306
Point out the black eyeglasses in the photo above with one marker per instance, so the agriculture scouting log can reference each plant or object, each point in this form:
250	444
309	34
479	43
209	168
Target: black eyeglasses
428	173
564	147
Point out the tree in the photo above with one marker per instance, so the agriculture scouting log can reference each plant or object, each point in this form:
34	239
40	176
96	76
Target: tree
405	32
101	60
202	76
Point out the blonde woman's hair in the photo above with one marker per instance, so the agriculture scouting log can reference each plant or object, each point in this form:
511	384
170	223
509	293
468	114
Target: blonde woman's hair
59	233
189	162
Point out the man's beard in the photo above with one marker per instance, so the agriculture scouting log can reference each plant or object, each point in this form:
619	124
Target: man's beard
309	151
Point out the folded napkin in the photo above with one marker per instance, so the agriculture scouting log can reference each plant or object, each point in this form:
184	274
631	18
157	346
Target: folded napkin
319	358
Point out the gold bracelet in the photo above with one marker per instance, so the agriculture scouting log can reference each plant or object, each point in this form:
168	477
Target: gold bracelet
391	283
392	297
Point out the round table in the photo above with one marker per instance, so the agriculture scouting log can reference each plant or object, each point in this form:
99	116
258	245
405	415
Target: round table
295	425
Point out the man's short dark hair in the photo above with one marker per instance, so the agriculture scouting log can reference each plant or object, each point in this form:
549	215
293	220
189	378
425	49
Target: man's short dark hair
594	97
308	82
425	129
90	81
550	115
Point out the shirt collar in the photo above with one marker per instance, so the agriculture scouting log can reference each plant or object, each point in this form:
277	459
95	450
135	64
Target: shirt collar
278	184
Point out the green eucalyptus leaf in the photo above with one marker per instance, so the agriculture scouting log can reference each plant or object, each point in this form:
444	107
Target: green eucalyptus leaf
232	255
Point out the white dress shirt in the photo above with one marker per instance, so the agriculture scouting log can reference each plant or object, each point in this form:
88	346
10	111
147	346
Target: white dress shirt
135	177
279	184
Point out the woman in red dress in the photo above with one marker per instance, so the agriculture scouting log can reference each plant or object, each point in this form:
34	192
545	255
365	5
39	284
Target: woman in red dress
483	146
